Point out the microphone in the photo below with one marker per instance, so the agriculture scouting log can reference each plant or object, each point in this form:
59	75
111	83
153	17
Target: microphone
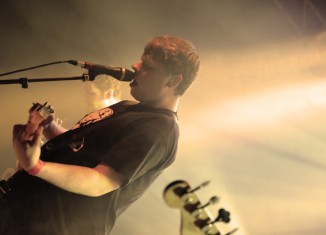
119	73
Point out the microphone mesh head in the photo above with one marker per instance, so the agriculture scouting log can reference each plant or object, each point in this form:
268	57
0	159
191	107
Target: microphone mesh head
128	75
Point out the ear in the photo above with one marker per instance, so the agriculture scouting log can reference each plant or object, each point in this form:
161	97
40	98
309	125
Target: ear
174	80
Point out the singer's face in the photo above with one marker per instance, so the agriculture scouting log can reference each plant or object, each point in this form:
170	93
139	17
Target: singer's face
150	84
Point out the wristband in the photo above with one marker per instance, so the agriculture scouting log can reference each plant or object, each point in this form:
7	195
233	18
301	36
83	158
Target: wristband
36	168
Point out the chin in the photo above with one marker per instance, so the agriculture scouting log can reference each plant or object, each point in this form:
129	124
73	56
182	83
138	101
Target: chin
134	95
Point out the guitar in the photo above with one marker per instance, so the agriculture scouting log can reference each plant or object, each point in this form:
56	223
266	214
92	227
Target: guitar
195	219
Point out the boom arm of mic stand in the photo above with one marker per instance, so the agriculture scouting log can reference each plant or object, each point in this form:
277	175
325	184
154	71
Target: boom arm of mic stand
24	81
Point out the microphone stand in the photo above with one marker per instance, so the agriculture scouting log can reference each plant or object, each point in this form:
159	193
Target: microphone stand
24	81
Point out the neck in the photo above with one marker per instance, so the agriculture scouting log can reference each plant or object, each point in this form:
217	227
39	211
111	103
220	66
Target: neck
171	105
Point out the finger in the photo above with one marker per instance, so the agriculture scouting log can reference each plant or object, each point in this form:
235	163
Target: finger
35	105
48	120
17	131
38	135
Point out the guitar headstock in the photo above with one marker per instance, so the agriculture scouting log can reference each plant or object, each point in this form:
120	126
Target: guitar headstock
195	219
42	110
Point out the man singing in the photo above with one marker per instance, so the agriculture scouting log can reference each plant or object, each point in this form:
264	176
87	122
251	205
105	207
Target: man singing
80	180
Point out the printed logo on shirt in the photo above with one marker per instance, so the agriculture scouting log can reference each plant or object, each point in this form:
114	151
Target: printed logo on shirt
94	117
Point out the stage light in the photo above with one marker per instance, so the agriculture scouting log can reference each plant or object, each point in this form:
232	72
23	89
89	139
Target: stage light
102	92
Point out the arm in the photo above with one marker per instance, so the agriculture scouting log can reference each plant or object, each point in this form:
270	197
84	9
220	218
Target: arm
82	180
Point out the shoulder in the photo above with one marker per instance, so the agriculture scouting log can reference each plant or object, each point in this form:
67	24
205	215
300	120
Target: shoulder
137	116
123	105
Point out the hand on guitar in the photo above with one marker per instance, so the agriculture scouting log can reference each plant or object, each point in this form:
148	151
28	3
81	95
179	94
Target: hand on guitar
27	151
27	138
39	115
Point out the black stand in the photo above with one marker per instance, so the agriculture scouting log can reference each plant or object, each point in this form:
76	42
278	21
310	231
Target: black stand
24	81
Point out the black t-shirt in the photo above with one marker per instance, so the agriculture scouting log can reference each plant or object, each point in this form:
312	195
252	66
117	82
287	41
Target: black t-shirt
137	141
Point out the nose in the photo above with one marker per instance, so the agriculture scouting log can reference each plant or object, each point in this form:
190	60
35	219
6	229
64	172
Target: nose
136	66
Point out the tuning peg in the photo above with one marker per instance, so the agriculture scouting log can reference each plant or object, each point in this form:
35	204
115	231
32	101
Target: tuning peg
190	197
199	187
232	231
199	212
223	215
210	229
211	201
